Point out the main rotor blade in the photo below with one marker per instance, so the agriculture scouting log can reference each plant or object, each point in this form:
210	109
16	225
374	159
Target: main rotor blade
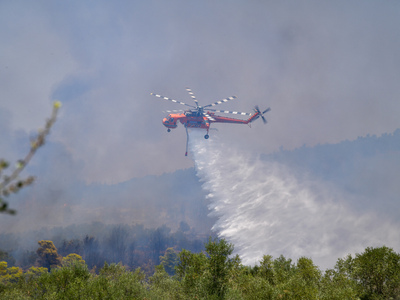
193	96
231	112
267	110
221	101
209	117
169	99
264	120
174	110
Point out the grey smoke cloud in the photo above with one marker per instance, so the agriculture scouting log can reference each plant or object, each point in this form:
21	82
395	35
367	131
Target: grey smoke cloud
328	70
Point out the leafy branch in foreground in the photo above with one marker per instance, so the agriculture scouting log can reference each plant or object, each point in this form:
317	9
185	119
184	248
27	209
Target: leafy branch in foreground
11	184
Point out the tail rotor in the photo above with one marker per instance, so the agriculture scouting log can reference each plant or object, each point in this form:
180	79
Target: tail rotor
257	110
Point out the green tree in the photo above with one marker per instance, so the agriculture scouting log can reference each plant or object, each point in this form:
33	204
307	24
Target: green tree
284	269
169	260
116	282
34	272
163	286
72	259
3	268
336	285
248	284
304	284
48	256
66	282
266	269
190	271
377	273
208	276
9	275
11	184
219	265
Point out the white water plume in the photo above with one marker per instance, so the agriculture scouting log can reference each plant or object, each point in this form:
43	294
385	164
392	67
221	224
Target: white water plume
263	208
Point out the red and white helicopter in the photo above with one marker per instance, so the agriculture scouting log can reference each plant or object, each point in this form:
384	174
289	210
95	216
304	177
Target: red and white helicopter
202	116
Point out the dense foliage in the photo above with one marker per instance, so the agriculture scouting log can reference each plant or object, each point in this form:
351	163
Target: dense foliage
132	245
211	274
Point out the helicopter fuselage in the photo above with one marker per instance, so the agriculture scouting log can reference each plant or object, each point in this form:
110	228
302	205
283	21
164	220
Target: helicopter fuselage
194	120
189	121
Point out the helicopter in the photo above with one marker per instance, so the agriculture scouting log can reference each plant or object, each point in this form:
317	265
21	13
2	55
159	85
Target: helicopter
203	116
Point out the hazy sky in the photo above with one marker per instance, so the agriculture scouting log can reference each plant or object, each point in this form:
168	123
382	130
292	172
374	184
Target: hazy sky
329	70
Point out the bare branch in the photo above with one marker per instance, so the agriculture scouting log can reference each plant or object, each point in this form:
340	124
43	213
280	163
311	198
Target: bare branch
10	183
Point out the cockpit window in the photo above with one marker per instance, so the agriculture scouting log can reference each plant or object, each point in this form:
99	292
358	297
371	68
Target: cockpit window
171	119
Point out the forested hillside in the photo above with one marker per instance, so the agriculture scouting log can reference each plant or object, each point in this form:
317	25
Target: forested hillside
211	274
132	245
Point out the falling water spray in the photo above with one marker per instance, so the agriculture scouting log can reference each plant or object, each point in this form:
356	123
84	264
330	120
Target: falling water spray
263	208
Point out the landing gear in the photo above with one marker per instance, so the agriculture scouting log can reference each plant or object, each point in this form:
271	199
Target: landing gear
169	130
206	136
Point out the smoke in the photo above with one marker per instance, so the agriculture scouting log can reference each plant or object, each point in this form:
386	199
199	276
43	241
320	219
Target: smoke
265	207
329	69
